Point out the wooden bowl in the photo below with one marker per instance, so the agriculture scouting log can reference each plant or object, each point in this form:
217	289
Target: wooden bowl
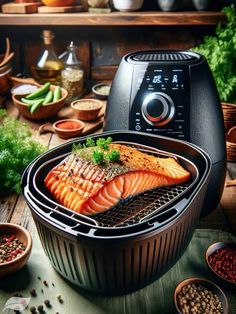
206	283
58	3
211	249
95	90
45	111
24	236
87	113
66	133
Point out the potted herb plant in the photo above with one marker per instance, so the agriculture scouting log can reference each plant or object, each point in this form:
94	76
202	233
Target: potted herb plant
220	52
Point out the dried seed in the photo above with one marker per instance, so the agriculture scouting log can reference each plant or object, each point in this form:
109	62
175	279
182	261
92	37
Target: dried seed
33	309
47	303
40	308
45	283
33	292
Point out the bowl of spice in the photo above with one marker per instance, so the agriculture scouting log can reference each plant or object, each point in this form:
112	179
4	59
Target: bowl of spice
87	109
101	90
198	295
15	247
221	260
68	128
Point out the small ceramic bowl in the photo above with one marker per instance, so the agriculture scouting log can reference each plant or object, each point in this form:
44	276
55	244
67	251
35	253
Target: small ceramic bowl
213	248
87	109
24	236
97	90
45	111
64	132
205	283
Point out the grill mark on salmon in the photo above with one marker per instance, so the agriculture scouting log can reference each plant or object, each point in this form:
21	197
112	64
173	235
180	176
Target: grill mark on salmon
89	189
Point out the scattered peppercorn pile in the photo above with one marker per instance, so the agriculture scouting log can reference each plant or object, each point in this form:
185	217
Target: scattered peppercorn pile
10	248
223	262
196	299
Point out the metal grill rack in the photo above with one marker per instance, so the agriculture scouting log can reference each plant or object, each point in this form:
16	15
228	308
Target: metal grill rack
162	57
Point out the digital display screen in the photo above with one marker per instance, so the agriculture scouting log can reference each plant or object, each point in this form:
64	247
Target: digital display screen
157	79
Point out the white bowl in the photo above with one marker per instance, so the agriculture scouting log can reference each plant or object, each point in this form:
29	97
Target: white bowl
127	5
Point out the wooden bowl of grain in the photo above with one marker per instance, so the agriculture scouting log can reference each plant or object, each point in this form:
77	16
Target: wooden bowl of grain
87	109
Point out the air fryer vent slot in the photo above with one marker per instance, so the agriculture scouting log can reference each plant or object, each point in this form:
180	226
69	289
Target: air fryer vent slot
163	57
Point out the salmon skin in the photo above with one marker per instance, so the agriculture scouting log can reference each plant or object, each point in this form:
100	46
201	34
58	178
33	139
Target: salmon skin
87	188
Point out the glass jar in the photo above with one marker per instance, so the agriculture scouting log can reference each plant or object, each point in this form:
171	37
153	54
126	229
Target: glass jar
72	75
48	67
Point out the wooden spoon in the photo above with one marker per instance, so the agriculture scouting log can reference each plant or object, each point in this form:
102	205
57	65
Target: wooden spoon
8	47
28	80
7	59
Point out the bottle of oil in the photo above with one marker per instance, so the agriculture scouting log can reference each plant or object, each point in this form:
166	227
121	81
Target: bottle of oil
48	67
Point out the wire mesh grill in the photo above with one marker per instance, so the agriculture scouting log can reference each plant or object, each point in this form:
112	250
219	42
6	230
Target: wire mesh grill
135	210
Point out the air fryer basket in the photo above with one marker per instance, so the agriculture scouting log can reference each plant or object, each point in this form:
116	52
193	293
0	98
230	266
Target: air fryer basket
141	240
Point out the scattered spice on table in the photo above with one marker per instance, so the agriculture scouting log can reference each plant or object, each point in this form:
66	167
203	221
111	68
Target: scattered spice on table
33	292
10	248
47	303
68	125
223	262
40	308
60	299
197	299
32	309
45	283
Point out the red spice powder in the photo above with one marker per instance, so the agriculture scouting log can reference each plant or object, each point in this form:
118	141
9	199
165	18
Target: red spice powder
68	125
223	262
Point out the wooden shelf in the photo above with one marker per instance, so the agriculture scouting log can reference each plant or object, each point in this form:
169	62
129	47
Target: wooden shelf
114	19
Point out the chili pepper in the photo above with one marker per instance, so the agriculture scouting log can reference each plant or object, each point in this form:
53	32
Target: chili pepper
44	89
48	98
57	93
223	262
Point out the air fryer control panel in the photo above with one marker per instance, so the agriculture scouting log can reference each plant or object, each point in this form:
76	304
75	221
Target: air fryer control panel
159	100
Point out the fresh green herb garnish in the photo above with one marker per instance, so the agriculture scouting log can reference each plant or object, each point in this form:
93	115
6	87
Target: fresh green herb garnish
17	150
90	142
114	155
98	157
99	151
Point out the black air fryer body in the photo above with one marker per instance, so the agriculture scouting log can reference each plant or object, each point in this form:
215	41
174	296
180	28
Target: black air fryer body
171	93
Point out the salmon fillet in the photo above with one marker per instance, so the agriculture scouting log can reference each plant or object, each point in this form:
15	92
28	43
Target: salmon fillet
87	188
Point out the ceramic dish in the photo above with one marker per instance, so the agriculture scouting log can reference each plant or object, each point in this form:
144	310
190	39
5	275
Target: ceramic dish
101	90
87	109
205	283
74	128
213	248
45	111
24	236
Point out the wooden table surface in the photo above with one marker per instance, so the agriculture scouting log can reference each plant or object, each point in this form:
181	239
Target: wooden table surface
14	209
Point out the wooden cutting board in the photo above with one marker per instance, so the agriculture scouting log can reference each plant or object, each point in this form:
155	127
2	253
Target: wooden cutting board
20	8
66	9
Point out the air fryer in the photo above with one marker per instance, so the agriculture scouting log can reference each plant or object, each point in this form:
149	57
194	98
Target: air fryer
171	93
127	247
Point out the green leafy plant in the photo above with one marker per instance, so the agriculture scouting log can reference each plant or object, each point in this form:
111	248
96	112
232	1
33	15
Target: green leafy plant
17	150
220	52
97	151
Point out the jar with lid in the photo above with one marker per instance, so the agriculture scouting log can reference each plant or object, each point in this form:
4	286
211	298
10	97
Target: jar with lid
48	67
72	75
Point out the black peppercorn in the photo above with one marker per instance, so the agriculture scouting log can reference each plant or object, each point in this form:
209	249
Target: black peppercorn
40	308
47	303
33	309
33	292
45	283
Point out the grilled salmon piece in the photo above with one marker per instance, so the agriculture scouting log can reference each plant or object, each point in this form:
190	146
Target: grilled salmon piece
82	186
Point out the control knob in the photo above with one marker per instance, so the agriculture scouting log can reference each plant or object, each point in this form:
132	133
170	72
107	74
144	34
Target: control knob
158	109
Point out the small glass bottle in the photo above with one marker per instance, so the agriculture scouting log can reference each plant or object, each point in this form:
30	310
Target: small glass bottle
72	75
48	67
